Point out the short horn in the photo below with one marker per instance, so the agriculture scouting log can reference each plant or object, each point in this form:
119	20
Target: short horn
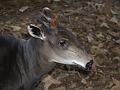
54	22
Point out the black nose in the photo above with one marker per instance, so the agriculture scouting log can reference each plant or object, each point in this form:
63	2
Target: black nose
89	65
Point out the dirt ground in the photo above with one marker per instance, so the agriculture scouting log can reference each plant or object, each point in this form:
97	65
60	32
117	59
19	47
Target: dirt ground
97	24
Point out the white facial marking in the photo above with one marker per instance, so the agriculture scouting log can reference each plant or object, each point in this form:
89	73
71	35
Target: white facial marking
71	57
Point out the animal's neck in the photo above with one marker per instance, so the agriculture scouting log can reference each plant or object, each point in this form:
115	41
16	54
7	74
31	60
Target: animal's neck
38	62
8	41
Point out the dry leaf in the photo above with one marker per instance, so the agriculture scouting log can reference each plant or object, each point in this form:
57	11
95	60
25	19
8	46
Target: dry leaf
117	84
113	12
114	20
22	9
49	81
73	85
89	88
116	58
49	1
60	88
118	41
104	25
90	38
115	50
84	81
16	28
62	76
57	0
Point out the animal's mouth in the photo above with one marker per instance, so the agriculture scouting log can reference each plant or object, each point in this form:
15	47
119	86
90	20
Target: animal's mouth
87	67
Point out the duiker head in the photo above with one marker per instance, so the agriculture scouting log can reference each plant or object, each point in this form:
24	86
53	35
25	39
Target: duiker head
59	45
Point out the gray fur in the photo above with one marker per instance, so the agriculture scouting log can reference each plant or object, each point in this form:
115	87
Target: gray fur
26	66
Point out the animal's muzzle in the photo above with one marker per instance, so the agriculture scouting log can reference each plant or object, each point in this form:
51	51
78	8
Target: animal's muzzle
89	65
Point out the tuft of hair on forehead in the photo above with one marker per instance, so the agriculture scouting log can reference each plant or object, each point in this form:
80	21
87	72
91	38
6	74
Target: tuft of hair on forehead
54	22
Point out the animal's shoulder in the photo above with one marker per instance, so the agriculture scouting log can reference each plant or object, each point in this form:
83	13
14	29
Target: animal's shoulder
8	41
8	53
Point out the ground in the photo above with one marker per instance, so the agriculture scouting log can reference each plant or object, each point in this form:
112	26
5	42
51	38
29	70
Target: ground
97	25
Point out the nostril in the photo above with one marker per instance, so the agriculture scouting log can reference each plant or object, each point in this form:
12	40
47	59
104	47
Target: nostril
89	65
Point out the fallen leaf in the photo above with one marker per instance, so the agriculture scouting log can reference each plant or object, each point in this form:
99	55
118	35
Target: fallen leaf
118	41
89	88
49	1
115	50
100	35
16	28
83	81
110	85
114	20
113	12
57	0
104	25
62	76
117	84
60	88
22	9
116	58
48	81
73	85
90	38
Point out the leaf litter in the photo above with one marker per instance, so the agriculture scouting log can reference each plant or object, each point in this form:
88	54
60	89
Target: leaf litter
98	31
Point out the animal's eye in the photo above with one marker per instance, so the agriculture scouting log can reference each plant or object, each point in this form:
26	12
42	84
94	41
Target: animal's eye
63	44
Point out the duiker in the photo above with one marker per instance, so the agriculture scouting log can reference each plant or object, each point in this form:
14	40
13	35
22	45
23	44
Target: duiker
23	62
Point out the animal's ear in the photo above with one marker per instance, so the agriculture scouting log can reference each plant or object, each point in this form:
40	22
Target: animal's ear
44	17
47	12
36	32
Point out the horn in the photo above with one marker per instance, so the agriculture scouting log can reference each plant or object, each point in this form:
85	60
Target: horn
54	22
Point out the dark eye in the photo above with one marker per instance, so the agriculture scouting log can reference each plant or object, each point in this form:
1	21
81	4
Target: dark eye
63	44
